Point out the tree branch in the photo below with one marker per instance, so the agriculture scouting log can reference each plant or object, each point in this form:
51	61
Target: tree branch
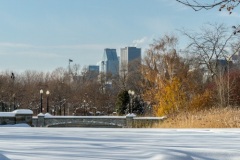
229	5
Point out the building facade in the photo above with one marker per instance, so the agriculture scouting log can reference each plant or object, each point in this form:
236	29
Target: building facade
93	68
110	62
93	71
130	59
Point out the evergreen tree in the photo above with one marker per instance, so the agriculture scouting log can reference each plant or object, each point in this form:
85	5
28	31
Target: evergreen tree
138	105
122	102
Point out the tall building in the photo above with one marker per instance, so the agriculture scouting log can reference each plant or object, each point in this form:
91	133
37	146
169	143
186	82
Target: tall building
110	62
93	68
130	59
93	71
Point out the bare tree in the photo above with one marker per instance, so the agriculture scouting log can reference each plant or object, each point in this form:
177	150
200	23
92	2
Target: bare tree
197	5
154	66
211	44
170	85
214	45
131	76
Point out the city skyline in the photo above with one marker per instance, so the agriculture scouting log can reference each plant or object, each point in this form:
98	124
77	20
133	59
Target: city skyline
110	62
130	60
44	35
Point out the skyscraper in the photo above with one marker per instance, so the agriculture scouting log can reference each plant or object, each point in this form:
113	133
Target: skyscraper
110	62
93	68
93	71
130	59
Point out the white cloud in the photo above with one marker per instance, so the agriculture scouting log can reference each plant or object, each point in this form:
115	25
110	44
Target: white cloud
144	42
138	42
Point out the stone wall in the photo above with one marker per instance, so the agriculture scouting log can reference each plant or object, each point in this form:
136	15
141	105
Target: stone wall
7	120
16	117
79	121
93	121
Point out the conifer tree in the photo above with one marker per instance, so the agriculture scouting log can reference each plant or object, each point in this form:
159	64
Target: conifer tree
122	102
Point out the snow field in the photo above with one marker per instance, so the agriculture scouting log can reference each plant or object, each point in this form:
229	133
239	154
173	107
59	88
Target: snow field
27	143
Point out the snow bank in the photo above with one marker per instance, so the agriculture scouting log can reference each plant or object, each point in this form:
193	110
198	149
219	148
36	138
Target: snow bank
119	144
7	114
23	111
18	111
47	115
41	114
131	115
95	117
15	125
150	118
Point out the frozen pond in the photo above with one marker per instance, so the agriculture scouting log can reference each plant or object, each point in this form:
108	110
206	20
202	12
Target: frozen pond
26	143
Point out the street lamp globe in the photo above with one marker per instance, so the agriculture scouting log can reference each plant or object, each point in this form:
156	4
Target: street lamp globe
41	91
47	93
130	92
133	93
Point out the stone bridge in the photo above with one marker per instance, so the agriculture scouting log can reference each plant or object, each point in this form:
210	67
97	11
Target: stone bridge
129	121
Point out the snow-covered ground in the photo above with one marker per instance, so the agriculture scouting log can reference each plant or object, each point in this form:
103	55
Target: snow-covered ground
27	143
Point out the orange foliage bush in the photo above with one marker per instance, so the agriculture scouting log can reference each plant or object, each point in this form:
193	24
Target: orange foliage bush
201	101
171	98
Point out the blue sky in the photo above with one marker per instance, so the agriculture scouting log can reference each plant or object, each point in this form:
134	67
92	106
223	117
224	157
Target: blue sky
43	34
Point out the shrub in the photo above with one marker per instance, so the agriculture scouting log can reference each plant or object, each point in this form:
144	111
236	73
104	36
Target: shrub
122	102
208	118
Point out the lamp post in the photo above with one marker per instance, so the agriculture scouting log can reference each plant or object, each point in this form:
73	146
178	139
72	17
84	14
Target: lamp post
55	110
14	102
61	103
84	106
41	92
131	94
64	110
47	93
13	80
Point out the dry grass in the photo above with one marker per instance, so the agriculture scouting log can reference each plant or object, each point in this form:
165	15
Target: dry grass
212	118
